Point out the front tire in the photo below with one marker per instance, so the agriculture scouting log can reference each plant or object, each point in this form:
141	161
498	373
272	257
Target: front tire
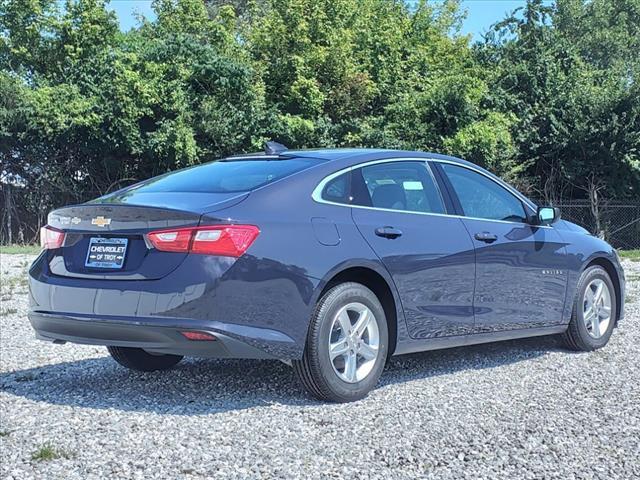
594	311
346	345
142	361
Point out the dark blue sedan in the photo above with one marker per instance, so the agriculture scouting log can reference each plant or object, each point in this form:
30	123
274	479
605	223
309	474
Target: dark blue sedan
331	260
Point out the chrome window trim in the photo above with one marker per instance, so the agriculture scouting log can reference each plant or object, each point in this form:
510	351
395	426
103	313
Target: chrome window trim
316	195
317	192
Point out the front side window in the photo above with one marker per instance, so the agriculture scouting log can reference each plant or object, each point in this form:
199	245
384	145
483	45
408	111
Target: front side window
406	186
481	197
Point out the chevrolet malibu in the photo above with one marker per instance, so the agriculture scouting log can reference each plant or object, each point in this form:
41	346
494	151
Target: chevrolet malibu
330	260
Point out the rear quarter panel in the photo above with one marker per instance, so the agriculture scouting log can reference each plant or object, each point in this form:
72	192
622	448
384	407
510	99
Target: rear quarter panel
282	275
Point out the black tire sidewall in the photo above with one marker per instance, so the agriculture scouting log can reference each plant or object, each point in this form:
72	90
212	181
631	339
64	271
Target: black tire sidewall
329	306
142	361
593	273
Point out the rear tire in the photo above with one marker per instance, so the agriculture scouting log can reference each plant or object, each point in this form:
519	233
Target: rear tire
139	359
346	346
584	332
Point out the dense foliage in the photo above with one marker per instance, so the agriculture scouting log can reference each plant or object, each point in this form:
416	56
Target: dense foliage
549	99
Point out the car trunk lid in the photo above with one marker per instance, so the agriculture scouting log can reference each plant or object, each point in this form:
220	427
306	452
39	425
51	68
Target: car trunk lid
107	241
199	202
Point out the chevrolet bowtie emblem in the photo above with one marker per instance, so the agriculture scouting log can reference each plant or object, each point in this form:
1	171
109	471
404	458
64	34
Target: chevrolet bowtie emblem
100	221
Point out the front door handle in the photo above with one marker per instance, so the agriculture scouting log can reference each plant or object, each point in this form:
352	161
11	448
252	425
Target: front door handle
486	237
388	232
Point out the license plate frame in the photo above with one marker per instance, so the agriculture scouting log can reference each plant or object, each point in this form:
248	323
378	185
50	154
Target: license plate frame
106	253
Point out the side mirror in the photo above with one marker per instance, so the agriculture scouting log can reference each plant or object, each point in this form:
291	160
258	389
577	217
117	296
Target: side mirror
548	215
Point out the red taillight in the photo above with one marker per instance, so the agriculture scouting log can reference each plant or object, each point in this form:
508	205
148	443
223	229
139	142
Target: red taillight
225	240
51	238
198	336
231	241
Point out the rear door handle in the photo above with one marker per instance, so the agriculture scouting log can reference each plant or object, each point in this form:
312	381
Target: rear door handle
486	237
388	232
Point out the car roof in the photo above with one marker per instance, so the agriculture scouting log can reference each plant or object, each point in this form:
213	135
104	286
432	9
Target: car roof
336	153
358	155
311	153
355	154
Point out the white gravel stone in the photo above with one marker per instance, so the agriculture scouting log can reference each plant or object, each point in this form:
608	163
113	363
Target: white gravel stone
520	409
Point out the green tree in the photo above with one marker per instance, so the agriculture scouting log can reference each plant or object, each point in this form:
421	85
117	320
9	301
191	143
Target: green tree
87	109
569	73
550	99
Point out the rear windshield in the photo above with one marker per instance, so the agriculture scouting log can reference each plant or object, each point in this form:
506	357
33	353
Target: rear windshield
225	176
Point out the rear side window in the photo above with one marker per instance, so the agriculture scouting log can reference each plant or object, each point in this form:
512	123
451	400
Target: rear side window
337	189
225	176
406	186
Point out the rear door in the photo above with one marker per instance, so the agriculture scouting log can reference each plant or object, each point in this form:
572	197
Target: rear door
521	270
399	211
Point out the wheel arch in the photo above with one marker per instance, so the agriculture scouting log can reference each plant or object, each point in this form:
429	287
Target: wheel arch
380	284
610	268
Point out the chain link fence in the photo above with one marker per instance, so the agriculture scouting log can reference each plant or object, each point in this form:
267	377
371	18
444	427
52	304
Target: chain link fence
617	223
23	211
20	219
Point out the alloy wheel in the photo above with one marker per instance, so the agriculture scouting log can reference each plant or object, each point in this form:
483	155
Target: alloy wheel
596	306
354	342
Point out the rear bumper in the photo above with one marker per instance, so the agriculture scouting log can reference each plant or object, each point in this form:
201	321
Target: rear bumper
244	302
156	335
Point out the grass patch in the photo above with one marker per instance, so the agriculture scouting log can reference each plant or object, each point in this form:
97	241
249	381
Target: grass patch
8	311
633	255
4	433
630	299
48	452
20	249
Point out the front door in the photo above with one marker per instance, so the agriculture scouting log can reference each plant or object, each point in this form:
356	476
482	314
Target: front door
521	270
398	209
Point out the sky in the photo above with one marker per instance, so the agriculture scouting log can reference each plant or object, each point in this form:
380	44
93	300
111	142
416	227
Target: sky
481	13
125	10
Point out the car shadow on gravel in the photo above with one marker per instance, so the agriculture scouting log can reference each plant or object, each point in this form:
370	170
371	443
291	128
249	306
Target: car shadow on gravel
198	387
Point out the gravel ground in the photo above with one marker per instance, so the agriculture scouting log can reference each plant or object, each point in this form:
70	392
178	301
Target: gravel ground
521	409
